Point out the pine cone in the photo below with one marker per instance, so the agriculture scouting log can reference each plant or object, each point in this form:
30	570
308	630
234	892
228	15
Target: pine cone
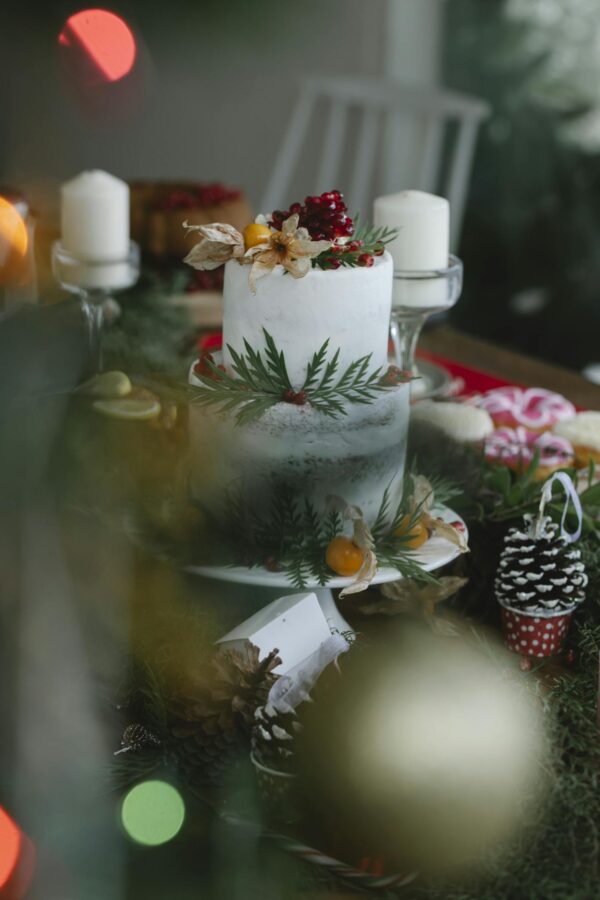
539	572
211	719
273	738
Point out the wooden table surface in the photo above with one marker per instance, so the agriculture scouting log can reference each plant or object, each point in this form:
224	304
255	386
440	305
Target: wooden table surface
513	367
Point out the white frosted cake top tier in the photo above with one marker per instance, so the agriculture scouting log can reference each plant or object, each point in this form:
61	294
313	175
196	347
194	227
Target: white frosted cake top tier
351	307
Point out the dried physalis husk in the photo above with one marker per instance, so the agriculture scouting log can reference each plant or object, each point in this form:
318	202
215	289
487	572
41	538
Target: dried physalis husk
363	539
218	243
423	498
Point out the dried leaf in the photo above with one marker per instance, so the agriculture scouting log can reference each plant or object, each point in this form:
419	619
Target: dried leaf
219	243
364	576
363	538
406	594
447	531
422	496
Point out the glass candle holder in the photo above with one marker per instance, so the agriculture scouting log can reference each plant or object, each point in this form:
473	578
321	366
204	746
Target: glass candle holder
95	283
416	296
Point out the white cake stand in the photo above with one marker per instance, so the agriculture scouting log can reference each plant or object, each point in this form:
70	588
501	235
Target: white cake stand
434	554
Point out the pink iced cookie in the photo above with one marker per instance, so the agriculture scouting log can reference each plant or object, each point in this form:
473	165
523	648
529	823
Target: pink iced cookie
515	448
533	408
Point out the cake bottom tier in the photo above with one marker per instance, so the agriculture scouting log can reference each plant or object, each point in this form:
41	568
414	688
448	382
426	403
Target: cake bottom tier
303	453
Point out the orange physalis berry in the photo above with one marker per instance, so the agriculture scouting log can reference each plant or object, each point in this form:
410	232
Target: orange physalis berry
414	538
343	556
256	234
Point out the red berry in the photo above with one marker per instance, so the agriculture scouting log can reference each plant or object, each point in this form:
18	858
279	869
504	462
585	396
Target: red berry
272	565
203	369
289	396
379	250
393	376
301	399
366	260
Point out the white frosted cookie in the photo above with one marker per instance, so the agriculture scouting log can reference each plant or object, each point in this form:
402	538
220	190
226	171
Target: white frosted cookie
583	431
462	422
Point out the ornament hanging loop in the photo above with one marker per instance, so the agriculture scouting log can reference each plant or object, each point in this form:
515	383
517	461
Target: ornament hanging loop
572	497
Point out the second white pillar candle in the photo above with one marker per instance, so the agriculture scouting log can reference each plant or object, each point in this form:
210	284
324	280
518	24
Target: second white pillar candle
423	221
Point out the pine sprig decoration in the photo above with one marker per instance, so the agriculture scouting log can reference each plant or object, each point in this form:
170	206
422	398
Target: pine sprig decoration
366	242
371	235
262	381
293	538
391	539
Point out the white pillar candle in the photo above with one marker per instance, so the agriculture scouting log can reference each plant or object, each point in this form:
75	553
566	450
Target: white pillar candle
422	244
423	220
95	217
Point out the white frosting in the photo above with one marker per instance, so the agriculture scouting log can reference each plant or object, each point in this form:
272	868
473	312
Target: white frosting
351	307
356	456
457	420
583	430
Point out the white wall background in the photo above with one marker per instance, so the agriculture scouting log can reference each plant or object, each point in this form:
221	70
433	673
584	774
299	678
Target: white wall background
221	88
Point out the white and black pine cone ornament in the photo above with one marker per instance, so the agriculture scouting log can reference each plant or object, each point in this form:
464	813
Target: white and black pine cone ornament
273	738
539	570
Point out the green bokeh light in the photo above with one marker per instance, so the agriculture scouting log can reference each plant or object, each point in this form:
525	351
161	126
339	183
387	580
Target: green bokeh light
152	813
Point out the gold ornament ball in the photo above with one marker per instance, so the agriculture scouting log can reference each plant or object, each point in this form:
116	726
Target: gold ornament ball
424	753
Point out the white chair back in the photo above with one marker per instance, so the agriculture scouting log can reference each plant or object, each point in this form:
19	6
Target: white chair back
363	118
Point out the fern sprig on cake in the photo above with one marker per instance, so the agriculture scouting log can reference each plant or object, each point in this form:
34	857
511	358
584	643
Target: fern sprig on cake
261	381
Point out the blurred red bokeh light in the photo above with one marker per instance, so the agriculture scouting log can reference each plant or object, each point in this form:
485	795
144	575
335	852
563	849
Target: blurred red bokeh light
17	860
100	44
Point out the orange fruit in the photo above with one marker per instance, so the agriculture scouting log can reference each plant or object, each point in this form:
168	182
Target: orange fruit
343	556
414	538
256	234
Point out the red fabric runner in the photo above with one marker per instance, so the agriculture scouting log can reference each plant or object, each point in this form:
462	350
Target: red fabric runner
475	381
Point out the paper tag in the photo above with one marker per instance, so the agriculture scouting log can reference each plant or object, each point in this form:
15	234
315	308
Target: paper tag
295	625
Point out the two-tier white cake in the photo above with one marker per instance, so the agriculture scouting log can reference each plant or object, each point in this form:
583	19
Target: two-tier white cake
297	448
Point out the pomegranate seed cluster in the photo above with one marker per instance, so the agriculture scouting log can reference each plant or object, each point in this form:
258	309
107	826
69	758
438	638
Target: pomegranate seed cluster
325	217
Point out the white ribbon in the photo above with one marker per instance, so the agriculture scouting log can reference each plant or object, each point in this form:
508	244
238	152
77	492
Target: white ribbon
572	496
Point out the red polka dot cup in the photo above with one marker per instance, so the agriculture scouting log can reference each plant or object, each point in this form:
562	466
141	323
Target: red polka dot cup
538	634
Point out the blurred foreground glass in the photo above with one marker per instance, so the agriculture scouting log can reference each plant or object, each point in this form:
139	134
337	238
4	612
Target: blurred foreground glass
94	284
416	296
